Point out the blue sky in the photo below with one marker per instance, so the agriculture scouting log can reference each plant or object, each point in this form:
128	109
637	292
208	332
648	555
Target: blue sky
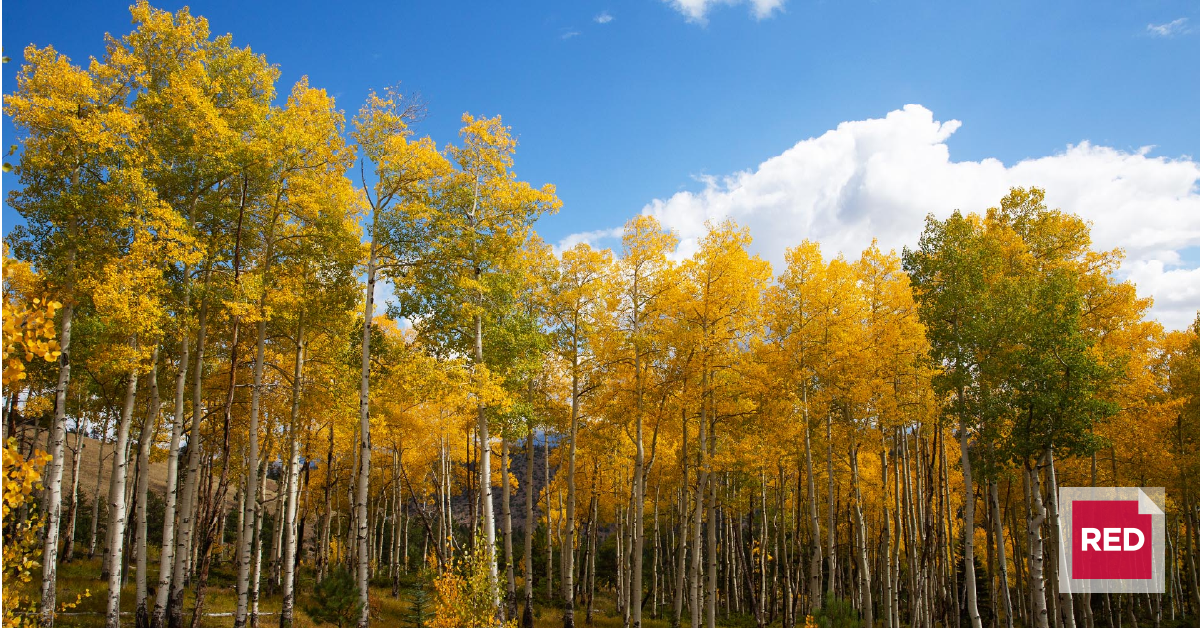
632	112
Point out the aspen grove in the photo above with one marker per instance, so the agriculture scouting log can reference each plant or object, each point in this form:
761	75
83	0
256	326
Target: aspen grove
331	374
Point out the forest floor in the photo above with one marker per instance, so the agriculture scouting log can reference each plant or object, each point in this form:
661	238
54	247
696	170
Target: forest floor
80	576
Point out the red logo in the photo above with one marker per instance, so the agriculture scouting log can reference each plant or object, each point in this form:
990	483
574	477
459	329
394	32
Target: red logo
1110	540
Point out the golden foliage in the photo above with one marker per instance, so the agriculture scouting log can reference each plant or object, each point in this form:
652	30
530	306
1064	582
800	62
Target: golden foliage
28	322
23	550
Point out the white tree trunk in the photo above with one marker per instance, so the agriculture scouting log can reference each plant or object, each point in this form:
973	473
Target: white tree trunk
73	513
864	566
510	598
167	555
968	526
485	479
289	522
187	502
568	569
530	496
257	545
251	514
814	575
364	418
698	514
54	475
145	440
1001	558
1037	584
116	506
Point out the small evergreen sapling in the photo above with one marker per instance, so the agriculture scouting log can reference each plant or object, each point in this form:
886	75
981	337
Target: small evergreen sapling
335	600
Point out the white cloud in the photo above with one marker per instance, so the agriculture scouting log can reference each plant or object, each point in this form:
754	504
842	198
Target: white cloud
1169	29
592	238
697	10
879	178
604	18
569	34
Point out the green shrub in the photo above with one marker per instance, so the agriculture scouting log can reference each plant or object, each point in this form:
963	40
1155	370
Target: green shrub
335	600
837	613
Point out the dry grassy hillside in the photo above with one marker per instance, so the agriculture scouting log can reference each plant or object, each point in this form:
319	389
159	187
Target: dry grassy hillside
92	469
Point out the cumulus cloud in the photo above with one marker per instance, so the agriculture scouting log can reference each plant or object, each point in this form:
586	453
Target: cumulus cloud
1168	29
879	178
569	34
697	10
592	238
604	18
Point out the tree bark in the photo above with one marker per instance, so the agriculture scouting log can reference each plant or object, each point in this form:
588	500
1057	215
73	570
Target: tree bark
549	522
251	512
832	558
364	418
698	514
968	523
116	504
568	570
681	546
187	503
57	440
710	606
864	566
1066	602
73	510
814	567
1001	558
167	553
510	591
149	429
530	496
1037	585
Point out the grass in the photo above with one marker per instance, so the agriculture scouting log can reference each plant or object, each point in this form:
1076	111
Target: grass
81	576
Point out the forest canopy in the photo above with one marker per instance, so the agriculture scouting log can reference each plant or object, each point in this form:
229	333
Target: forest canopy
202	394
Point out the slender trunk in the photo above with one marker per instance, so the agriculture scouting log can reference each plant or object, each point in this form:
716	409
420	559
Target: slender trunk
594	535
58	433
710	602
289	522
637	524
1001	558
510	591
73	510
167	554
364	418
549	523
95	532
814	567
864	567
832	558
260	506
250	519
530	496
485	479
1037	585
681	546
568	584
1066	602
116	504
143	485
187	503
968	524
885	546
327	518
698	514
654	561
